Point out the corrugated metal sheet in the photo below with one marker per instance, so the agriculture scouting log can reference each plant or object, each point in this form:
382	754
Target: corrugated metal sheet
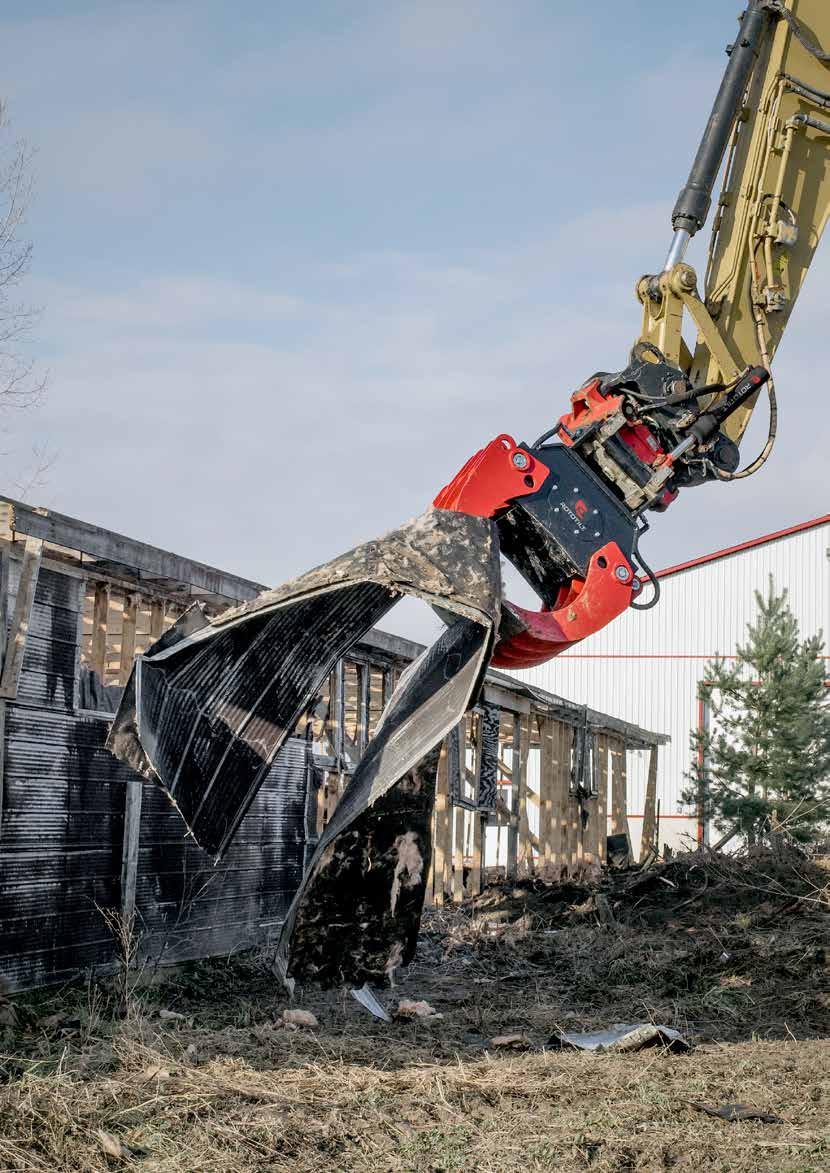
187	907
62	817
646	666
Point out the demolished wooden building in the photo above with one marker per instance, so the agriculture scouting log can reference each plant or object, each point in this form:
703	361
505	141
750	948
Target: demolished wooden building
531	782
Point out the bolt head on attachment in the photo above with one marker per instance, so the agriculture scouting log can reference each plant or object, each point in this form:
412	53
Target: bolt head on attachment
622	573
520	460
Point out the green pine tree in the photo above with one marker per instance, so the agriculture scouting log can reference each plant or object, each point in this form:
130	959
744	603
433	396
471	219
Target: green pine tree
766	756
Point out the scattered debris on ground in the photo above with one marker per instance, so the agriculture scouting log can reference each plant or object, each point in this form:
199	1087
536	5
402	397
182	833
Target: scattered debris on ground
730	952
296	1017
412	1008
622	1036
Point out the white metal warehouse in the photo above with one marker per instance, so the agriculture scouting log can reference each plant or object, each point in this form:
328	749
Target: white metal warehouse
646	666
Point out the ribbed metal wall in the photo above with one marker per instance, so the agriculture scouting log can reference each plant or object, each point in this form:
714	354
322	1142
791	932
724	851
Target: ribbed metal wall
186	906
646	666
62	829
63	809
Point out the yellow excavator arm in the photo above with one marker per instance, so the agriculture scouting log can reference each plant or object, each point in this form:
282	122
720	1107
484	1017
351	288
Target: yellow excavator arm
771	121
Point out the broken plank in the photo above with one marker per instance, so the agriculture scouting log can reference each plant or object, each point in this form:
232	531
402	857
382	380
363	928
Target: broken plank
650	809
100	612
479	821
156	619
459	817
21	617
129	857
602	797
512	772
128	623
442	845
548	730
524	847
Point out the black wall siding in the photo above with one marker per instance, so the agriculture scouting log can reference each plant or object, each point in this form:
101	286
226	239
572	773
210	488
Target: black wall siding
50	659
243	898
62	829
62	819
60	845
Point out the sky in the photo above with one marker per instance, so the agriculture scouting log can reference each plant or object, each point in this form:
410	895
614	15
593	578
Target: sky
296	262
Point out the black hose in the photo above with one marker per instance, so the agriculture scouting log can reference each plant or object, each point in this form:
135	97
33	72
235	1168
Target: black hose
650	575
546	435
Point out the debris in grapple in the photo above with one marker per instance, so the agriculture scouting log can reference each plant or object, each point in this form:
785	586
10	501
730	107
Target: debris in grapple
210	704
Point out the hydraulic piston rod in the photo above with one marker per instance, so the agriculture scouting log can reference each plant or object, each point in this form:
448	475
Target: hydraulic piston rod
693	203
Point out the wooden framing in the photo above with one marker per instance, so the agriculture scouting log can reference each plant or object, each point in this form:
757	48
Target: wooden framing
127	556
571	827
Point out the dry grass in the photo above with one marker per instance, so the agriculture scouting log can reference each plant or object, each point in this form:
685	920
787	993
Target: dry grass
224	1087
315	1109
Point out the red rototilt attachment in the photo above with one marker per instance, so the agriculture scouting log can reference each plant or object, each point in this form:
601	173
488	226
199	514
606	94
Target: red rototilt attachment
589	406
487	486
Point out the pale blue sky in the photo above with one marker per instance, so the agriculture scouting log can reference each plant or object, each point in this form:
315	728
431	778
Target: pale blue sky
298	261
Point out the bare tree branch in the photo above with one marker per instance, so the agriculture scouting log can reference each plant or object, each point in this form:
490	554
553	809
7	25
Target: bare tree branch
21	384
35	474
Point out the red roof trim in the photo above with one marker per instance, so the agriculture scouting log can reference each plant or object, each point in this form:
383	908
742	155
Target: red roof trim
762	541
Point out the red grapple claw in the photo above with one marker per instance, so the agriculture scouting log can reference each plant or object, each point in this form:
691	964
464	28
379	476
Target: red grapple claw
491	479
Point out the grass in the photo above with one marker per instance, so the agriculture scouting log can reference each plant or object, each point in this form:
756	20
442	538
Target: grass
90	1084
311	1107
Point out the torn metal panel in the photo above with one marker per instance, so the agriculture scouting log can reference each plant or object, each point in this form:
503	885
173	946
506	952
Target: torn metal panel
622	1036
358	912
206	711
123	740
368	874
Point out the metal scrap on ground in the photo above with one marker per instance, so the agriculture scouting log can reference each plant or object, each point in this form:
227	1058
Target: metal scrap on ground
622	1036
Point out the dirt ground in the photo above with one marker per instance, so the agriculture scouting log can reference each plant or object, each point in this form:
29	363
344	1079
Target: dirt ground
197	1072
